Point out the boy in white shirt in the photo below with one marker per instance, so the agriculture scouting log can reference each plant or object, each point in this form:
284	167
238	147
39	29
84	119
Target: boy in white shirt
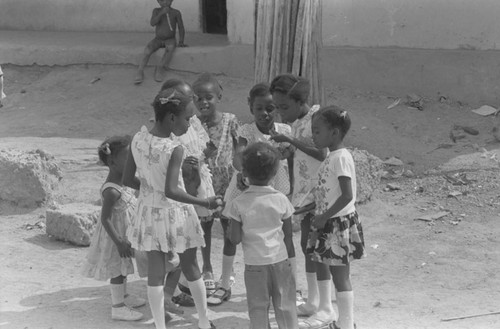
261	221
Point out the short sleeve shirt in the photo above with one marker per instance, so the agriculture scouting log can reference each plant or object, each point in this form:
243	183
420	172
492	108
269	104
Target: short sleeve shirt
222	136
338	163
261	211
305	167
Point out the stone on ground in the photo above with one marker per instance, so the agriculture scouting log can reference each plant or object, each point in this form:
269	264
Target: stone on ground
28	178
369	170
74	222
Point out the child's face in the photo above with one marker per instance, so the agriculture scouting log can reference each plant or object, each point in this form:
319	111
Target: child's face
288	108
263	110
165	3
322	132
181	122
207	99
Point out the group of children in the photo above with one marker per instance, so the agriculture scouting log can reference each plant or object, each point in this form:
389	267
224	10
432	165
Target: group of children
196	164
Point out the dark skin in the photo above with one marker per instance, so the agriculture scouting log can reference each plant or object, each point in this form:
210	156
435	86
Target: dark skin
163	31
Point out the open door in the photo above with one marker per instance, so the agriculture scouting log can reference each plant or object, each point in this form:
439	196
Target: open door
214	16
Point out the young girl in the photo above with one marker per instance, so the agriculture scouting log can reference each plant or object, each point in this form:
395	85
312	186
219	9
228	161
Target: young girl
263	109
290	94
339	238
166	219
261	220
110	252
221	128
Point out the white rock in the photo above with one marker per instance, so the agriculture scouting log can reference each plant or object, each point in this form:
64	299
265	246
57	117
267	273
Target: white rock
369	169
74	222
27	178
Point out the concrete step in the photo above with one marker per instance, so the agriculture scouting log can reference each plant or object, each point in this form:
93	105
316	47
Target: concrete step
206	52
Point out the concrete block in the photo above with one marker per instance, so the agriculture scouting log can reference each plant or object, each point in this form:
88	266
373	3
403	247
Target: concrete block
28	178
74	222
368	174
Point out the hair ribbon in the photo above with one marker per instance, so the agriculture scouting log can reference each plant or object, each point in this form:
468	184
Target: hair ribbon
105	148
170	99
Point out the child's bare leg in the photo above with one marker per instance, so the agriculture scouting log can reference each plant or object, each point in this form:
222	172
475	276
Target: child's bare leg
160	71
345	298
151	47
206	225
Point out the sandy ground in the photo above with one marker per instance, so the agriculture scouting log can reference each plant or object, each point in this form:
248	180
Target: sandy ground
416	273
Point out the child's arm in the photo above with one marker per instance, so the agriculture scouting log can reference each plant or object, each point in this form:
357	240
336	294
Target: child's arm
289	160
128	178
234	232
110	196
344	199
172	189
240	147
288	239
305	208
312	151
156	15
182	32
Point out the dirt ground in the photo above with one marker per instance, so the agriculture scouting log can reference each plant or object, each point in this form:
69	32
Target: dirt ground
417	272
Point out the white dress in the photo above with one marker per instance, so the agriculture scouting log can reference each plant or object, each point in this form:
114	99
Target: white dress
103	260
161	224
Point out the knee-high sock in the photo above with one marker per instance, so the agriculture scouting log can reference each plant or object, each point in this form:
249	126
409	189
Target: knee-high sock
312	290
345	302
199	294
325	309
156	300
117	294
227	269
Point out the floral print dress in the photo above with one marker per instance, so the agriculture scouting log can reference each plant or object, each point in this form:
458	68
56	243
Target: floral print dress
161	224
341	240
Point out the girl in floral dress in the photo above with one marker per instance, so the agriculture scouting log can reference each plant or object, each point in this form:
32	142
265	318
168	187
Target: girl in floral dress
339	239
263	109
221	128
290	94
110	252
166	222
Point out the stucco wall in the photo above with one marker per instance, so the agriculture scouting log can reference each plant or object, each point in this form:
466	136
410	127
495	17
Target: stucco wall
430	24
89	15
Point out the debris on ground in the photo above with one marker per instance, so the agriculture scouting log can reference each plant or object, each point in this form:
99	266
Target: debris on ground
95	80
391	187
441	146
393	161
486	110
456	133
457	179
433	216
394	104
40	225
415	101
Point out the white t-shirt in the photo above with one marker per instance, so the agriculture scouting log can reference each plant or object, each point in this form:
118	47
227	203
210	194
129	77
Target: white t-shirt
261	211
305	167
327	190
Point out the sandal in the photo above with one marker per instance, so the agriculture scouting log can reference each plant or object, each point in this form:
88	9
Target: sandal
172	307
314	323
184	289
208	279
302	311
219	296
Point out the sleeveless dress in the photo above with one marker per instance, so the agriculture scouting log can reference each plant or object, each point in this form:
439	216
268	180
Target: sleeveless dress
161	224
103	260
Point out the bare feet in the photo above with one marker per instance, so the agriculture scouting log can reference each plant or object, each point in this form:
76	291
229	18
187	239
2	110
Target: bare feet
160	73
139	78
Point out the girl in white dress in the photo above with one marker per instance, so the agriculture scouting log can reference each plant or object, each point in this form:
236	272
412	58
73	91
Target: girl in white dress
166	222
110	252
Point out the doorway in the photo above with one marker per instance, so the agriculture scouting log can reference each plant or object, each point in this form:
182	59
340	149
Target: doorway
214	16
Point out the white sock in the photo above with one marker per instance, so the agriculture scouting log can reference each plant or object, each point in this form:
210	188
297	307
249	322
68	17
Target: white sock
325	309
227	269
199	294
117	294
156	300
312	290
345	302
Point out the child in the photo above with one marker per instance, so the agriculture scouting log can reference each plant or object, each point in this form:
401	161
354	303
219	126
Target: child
263	109
166	219
221	128
110	252
2	95
165	20
261	220
340	234
290	94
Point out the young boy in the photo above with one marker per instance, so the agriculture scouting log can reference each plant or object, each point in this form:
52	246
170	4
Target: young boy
261	220
165	20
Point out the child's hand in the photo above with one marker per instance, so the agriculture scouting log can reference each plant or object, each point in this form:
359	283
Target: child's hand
319	221
215	202
241	183
191	161
182	45
125	248
210	151
279	138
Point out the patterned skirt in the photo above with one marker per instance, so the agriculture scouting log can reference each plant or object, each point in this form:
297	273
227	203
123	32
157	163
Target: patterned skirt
339	242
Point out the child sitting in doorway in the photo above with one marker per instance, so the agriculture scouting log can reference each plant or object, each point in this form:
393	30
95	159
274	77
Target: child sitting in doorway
165	20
